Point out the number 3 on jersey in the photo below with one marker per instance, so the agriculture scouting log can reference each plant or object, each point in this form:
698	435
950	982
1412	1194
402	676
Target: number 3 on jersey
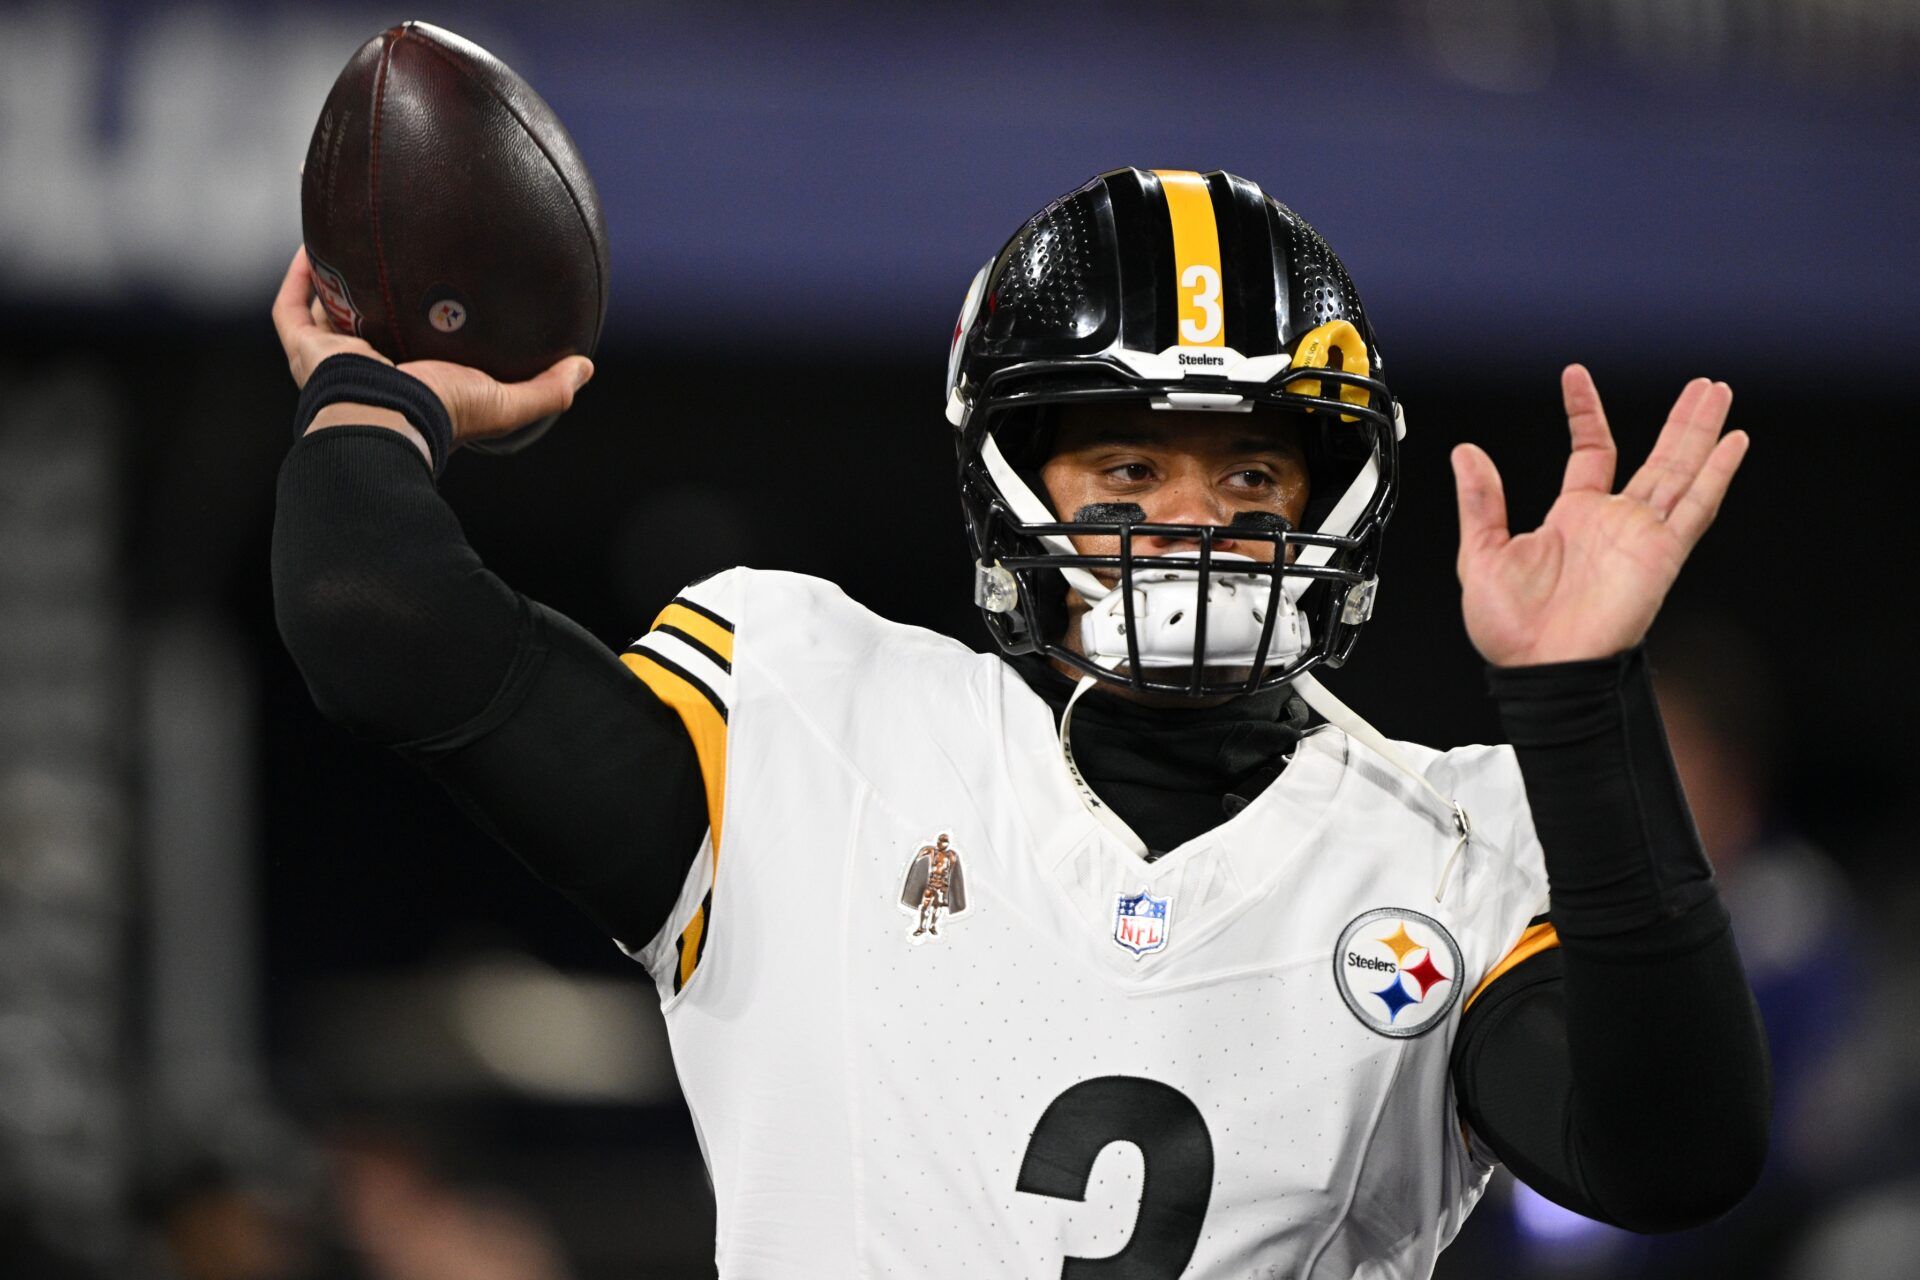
1200	311
1177	1183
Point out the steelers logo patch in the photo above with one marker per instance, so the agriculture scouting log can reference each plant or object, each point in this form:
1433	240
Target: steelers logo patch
1399	971
447	315
445	307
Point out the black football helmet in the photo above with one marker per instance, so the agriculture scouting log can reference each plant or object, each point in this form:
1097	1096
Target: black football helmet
1187	291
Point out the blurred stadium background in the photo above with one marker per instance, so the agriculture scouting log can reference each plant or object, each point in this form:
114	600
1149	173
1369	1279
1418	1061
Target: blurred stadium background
270	1009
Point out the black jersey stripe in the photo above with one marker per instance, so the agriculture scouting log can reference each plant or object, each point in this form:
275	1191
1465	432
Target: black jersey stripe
696	644
704	612
693	681
706	913
698	927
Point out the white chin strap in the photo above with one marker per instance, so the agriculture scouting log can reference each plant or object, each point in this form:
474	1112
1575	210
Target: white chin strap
1025	504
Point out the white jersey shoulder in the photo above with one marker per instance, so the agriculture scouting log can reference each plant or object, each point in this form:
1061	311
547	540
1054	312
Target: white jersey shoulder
1486	783
928	1010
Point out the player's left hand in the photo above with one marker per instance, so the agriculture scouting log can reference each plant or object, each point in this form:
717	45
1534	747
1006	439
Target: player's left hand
1588	581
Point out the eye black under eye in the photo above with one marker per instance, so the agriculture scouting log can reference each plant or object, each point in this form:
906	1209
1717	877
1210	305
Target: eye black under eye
1260	521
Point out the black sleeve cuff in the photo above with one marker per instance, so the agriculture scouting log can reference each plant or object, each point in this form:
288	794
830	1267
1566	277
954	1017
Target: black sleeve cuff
357	379
1619	842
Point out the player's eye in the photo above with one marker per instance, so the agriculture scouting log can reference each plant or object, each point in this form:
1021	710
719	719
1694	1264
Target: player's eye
1131	472
1252	478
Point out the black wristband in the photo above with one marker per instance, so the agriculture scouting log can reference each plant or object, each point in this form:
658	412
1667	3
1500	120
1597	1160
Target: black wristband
357	379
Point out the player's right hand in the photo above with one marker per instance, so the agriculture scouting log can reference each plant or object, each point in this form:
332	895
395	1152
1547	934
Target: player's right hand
479	405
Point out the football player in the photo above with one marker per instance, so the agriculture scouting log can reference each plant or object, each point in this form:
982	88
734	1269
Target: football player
1228	990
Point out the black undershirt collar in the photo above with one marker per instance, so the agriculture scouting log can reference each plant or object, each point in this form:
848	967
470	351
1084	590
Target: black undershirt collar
1172	773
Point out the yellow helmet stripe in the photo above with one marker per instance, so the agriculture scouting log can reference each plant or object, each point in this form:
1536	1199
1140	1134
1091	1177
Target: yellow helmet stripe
1196	258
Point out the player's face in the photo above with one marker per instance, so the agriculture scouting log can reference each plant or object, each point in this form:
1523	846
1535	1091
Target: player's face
1193	467
1190	467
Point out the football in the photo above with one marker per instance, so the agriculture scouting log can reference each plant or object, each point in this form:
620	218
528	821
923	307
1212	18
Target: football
447	213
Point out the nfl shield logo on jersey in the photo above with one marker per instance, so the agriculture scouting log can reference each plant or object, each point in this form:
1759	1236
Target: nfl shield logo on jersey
1140	922
1398	970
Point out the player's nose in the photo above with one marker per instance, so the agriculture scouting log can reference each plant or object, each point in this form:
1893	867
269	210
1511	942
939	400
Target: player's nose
1185	499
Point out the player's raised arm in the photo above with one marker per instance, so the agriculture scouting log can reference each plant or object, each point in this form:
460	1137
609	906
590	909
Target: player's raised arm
406	639
1622	1073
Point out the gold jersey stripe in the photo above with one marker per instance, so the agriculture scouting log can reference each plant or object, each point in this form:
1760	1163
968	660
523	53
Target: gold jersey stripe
1537	938
700	627
1196	258
705	726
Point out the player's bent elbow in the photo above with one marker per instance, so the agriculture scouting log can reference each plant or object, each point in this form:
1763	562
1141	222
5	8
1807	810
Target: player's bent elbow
1690	1193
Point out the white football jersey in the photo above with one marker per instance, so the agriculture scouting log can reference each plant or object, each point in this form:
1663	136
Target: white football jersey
934	1019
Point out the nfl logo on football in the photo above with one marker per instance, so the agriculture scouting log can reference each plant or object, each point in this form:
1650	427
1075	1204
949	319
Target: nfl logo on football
1140	922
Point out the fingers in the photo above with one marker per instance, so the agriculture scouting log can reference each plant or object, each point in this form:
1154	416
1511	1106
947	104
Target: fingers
1694	513
1641	486
549	393
1694	446
507	406
290	313
1684	443
1590	465
1483	503
1694	441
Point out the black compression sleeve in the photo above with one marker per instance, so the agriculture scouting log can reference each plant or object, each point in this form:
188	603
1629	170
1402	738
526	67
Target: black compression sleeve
1624	1074
533	725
